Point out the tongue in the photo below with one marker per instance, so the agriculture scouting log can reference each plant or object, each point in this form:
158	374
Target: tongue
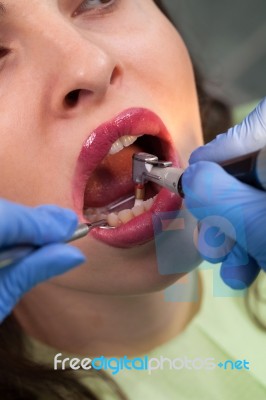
111	180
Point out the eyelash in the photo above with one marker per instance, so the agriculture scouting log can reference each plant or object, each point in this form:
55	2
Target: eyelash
106	7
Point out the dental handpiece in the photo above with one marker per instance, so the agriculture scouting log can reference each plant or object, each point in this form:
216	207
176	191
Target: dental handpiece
250	169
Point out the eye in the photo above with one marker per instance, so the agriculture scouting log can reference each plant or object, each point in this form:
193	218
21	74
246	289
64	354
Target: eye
95	5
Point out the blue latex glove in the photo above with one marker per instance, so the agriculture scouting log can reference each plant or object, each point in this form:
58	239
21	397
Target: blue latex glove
210	192
44	226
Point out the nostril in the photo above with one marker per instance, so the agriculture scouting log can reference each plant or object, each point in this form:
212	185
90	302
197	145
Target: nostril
115	75
72	98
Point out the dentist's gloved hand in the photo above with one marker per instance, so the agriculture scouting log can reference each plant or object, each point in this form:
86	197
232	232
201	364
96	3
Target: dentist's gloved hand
212	193
43	226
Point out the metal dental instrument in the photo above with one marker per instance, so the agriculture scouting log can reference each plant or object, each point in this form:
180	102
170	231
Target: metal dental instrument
14	254
83	229
250	169
120	204
147	167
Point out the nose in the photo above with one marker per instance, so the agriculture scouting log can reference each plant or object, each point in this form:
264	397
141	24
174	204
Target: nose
81	70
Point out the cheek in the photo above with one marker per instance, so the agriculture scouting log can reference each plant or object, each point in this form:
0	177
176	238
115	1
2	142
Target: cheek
179	99
36	155
33	170
163	67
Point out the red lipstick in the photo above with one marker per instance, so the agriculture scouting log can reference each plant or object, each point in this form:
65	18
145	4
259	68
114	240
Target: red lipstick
131	122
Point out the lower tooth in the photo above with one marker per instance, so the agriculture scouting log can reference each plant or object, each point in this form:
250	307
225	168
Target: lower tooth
113	220
138	202
92	218
148	204
138	210
102	216
88	213
125	216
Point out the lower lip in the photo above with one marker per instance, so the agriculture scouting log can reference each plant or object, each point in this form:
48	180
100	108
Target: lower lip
139	230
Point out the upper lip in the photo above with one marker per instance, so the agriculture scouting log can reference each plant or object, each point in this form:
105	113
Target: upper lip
132	122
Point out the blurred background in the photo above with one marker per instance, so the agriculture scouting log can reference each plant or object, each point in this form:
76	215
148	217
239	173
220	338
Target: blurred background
227	38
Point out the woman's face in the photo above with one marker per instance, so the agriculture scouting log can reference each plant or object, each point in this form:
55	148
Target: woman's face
75	76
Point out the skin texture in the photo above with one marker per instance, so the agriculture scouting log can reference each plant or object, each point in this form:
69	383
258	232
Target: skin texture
119	59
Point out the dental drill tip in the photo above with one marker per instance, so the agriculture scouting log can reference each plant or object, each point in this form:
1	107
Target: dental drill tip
139	191
139	194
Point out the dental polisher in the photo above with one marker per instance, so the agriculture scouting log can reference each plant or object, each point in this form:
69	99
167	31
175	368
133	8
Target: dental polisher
250	169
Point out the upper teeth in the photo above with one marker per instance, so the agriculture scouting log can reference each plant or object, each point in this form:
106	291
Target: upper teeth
122	142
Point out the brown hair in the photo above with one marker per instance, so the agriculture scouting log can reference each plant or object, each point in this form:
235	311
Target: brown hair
20	377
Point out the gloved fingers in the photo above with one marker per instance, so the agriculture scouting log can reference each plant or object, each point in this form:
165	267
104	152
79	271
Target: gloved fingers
245	138
239	270
45	263
212	243
37	226
220	200
206	184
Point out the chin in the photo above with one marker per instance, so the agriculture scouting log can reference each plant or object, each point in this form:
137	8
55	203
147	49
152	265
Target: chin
127	272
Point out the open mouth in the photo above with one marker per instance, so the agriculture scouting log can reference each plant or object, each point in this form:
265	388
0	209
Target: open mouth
109	192
103	177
